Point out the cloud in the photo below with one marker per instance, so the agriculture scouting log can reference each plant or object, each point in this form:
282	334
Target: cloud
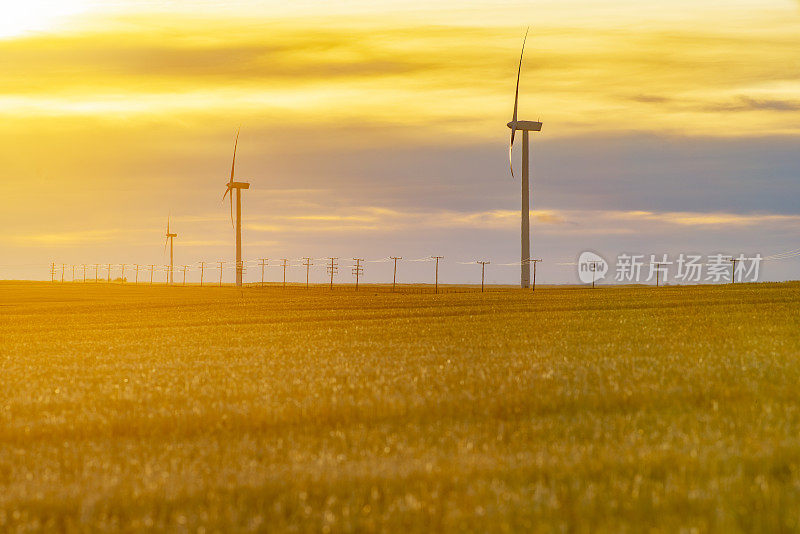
753	104
388	72
707	219
650	99
386	220
369	219
64	239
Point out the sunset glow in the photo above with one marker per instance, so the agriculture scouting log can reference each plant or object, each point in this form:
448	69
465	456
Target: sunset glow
102	102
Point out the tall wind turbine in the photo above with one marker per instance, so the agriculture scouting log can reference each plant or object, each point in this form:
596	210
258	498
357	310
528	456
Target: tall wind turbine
170	237
525	127
238	186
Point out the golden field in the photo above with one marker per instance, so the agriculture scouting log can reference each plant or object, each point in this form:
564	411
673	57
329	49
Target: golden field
133	408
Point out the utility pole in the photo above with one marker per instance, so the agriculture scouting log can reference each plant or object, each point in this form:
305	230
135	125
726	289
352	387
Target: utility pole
220	271
594	265
437	258
168	272
284	263
109	273
358	270
137	273
202	270
152	268
658	272
263	262
332	269
96	270
73	273
184	273
123	273
84	273
733	269
53	271
534	262
483	269
308	265
394	277
62	272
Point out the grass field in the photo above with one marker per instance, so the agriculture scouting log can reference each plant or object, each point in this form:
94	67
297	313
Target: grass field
214	410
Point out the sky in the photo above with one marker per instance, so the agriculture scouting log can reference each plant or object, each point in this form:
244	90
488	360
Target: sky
371	129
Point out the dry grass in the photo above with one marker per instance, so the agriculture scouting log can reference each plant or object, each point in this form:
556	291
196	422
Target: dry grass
204	410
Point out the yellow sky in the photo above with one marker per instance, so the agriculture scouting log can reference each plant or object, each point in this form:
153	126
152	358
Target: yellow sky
103	103
692	68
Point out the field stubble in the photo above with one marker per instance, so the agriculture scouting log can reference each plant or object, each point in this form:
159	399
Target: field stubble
211	409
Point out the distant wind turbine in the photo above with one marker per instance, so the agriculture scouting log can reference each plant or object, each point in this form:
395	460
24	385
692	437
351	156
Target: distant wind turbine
525	127
170	238
238	186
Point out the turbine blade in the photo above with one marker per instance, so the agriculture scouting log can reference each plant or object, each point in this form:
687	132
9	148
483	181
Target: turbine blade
516	104
510	159
519	72
165	244
229	190
235	144
233	166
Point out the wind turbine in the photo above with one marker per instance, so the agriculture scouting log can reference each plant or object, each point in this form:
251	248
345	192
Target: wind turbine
169	240
238	186
525	127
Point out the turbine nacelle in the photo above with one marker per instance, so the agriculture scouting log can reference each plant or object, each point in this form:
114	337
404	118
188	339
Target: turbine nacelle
526	126
238	185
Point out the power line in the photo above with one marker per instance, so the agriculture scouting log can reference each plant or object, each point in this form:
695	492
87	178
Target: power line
483	265
284	263
394	276
437	258
332	269
308	265
263	262
733	269
534	262
358	270
594	265
202	271
220	262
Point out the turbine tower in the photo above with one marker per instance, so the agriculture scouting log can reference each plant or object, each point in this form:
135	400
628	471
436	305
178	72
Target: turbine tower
525	127
238	186
170	237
